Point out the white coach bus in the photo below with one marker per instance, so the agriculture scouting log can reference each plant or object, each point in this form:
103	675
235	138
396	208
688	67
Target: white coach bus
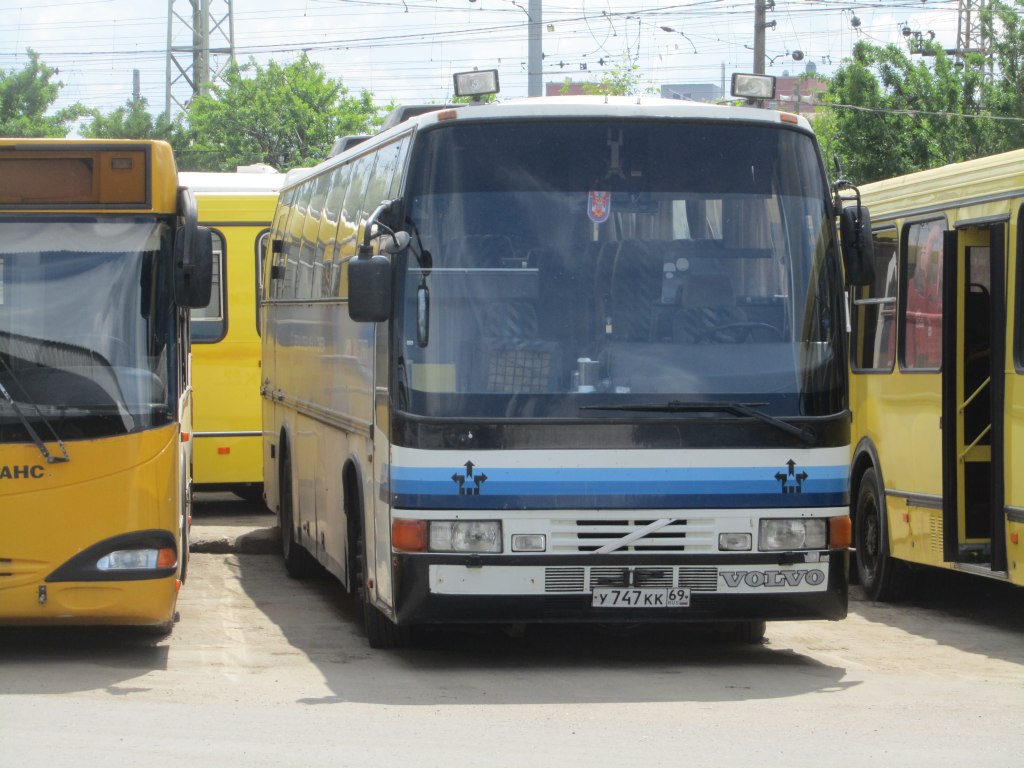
564	360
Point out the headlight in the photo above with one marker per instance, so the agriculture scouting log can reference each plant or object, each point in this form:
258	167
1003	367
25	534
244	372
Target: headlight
786	533
465	536
137	559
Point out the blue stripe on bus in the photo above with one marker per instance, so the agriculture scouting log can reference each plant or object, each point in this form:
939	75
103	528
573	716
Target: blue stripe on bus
615	488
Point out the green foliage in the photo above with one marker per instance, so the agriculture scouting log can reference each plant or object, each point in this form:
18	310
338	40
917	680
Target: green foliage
1004	25
25	97
132	121
286	116
899	114
623	79
895	112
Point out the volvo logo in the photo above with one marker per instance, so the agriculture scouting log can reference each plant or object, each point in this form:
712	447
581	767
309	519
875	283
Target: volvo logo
734	579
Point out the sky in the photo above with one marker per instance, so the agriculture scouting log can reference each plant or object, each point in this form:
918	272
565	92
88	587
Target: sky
406	50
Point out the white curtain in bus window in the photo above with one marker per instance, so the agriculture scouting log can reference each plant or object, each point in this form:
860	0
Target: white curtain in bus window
874	316
922	312
209	323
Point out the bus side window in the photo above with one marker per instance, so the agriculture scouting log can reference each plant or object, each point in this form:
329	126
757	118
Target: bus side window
293	242
209	323
348	228
328	238
307	283
921	312
263	256
873	345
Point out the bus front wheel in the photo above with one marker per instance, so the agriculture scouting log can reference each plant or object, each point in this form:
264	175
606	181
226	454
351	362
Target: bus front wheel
882	576
381	632
297	561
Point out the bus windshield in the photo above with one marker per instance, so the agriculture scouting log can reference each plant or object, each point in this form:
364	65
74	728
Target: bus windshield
556	267
85	325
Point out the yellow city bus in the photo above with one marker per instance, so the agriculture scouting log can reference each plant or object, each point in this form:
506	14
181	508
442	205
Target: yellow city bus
564	360
101	258
937	392
227	443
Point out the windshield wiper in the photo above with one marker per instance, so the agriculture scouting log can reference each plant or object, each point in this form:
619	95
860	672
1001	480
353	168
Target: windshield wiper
50	458
736	409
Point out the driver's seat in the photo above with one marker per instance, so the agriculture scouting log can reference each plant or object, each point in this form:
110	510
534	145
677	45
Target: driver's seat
706	302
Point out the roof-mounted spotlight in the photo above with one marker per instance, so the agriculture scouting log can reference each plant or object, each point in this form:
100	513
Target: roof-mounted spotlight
753	86
476	84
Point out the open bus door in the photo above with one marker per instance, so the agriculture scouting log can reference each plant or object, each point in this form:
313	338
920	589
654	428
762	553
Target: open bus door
973	441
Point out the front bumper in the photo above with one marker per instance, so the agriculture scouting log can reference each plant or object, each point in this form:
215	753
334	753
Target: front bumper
446	589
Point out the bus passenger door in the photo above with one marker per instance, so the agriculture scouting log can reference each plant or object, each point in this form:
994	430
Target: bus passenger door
378	531
973	397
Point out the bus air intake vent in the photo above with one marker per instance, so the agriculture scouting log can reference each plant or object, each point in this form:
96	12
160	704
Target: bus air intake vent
563	579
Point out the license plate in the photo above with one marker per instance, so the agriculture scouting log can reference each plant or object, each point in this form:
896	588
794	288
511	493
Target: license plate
640	597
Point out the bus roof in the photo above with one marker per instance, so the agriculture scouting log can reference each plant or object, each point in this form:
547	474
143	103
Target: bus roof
608	106
970	182
240	182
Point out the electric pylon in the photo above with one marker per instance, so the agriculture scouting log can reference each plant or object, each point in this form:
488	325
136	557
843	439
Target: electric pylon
200	46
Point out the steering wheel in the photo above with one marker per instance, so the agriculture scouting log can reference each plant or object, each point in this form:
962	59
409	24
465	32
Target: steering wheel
737	332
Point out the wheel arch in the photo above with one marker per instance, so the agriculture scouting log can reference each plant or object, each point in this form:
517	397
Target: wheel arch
865	457
283	451
352	494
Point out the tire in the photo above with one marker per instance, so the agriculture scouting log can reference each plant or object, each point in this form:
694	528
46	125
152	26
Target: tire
381	632
751	632
882	577
252	493
297	561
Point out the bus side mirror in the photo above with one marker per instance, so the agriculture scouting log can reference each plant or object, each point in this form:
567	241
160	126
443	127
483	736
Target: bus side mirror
369	289
193	267
857	245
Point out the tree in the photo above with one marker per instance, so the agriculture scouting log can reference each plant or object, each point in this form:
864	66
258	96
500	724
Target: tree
132	121
1003	24
25	97
623	79
886	114
286	116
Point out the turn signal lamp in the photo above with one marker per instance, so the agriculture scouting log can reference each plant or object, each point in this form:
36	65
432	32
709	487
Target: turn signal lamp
409	535
840	532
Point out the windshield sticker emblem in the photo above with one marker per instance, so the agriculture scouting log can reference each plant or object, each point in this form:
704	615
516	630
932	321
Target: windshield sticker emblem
791	482
599	206
469	484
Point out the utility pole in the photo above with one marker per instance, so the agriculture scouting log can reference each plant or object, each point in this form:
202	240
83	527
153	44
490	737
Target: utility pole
209	27
759	27
535	53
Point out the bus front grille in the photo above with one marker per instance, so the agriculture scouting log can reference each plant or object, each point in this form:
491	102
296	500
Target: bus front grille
611	532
